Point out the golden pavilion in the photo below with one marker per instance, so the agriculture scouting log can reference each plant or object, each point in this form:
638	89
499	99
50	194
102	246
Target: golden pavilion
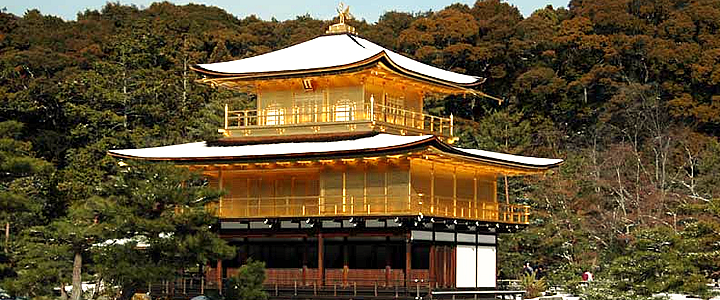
339	179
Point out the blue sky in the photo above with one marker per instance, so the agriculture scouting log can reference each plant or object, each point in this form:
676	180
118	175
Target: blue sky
266	9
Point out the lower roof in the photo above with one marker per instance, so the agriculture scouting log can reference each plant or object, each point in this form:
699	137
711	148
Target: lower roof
377	144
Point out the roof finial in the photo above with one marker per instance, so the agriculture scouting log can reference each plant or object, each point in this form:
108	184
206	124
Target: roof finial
344	15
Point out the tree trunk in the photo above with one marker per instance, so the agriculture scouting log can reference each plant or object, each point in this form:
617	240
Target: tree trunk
7	237
63	293
77	277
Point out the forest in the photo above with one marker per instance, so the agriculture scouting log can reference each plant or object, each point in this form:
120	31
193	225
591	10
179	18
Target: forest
626	91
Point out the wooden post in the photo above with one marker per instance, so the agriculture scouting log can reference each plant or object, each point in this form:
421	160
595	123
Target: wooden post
221	185
385	192
388	262
408	261
432	187
475	195
507	199
455	192
346	262
304	262
445	264
344	190
431	270
453	266
321	269
410	189
372	109
218	276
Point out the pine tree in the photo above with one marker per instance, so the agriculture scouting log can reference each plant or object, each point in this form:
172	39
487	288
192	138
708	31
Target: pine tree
23	179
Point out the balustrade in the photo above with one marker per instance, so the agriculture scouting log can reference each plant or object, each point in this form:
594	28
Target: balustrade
347	112
338	206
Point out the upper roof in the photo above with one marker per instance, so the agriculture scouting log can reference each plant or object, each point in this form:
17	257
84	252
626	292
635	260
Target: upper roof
371	145
339	51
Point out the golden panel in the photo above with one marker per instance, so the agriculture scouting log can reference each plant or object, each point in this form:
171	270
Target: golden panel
374	187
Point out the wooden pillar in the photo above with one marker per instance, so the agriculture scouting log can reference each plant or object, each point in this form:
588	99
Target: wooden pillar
431	266
346	262
388	261
365	184
385	191
219	276
507	200
410	188
455	192
408	261
453	266
321	268
432	187
475	195
304	261
445	265
344	189
221	185
321	199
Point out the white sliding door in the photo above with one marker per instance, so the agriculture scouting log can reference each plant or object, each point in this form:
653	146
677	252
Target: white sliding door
486	266
465	266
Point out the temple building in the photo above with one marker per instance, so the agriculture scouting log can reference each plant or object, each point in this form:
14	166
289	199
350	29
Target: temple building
338	178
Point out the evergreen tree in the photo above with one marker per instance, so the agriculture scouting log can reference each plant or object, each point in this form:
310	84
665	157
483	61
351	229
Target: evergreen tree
248	283
23	185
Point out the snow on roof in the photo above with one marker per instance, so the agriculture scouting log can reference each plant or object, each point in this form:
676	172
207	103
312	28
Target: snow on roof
330	51
202	150
525	160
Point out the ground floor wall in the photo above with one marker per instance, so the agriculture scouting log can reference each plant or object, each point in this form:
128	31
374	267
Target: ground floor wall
385	258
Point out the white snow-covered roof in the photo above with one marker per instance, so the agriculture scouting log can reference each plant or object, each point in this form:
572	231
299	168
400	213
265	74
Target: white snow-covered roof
203	150
525	160
330	51
382	141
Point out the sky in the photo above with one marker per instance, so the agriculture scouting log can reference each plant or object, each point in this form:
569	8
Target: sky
267	9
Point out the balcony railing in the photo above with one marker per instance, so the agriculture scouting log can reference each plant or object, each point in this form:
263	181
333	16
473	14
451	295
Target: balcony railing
338	206
317	115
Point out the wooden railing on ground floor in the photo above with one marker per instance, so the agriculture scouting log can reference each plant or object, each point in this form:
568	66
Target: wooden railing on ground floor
349	206
341	277
279	283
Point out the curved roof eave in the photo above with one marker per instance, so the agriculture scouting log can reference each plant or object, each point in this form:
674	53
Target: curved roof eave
498	159
328	52
381	57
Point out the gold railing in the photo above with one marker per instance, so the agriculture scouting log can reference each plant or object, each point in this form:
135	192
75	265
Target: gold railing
314	115
338	206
